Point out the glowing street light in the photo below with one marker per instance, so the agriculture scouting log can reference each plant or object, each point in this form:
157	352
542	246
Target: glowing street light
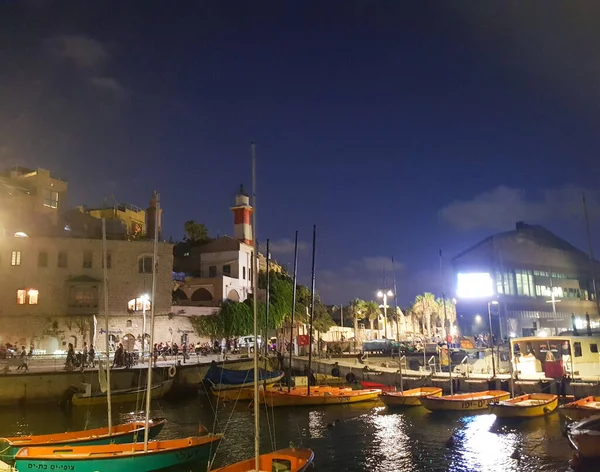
385	294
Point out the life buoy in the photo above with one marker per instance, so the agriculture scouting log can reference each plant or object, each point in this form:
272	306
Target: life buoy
172	371
350	377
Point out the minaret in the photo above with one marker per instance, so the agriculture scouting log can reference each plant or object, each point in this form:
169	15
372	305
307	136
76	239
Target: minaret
151	216
242	211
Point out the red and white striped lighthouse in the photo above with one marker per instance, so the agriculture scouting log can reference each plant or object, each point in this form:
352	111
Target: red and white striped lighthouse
242	212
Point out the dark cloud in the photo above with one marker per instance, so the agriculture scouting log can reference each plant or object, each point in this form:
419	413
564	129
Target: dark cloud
83	51
499	208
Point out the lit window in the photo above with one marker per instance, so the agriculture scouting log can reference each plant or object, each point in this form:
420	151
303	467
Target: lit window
27	297
139	304
50	198
32	297
15	258
145	265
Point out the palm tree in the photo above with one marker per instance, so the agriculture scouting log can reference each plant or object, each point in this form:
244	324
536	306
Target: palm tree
424	306
451	314
372	312
442	312
357	311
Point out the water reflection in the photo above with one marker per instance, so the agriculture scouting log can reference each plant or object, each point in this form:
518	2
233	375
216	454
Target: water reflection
351	438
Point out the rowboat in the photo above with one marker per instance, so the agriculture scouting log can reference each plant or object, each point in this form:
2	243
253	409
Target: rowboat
384	388
287	460
410	397
526	406
299	396
240	394
221	379
584	437
580	409
129	395
119	457
464	401
120	434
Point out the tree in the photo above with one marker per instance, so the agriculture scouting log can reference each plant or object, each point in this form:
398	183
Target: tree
372	312
423	306
442	311
356	309
195	232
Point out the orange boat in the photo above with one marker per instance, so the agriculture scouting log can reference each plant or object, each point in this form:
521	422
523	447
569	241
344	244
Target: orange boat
465	401
318	396
410	397
288	460
580	409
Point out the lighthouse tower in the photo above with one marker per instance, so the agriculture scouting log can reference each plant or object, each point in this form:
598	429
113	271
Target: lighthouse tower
242	212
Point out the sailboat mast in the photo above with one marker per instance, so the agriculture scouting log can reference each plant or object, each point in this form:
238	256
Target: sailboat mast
105	276
445	318
152	307
312	310
268	296
589	238
255	312
293	311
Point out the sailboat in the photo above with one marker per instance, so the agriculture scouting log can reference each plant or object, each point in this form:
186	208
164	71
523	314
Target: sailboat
141	457
289	459
312	396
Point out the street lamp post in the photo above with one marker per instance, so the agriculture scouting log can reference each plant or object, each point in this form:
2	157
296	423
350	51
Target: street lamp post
494	302
385	294
144	299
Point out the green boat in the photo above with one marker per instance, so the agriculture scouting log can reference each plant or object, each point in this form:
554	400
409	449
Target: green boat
120	457
119	434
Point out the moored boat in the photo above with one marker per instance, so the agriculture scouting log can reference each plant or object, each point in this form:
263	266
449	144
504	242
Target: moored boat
119	434
288	460
584	437
317	396
237	394
120	457
526	406
384	388
221	379
464	401
410	397
122	396
580	409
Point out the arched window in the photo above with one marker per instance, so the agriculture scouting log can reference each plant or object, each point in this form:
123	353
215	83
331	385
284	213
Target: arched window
145	265
139	304
128	323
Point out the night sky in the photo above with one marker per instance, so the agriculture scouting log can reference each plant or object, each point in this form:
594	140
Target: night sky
399	130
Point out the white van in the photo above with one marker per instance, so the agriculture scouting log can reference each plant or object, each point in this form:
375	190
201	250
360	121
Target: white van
248	342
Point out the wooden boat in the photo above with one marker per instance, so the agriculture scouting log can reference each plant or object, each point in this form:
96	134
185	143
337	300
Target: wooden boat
584	437
464	401
119	457
526	406
241	394
129	395
120	434
410	397
286	460
220	378
384	388
318	396
580	409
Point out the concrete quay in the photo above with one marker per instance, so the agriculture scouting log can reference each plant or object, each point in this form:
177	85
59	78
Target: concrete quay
43	383
389	374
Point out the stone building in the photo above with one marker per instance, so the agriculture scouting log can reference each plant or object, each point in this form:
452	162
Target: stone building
52	291
527	281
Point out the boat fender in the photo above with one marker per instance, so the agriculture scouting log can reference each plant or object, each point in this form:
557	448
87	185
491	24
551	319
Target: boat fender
172	371
350	377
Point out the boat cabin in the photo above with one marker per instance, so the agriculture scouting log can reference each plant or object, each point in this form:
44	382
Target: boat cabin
536	357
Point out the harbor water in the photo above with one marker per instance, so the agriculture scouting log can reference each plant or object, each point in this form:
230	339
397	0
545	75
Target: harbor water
350	438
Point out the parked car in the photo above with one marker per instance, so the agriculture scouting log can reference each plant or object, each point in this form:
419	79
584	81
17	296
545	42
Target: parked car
248	342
